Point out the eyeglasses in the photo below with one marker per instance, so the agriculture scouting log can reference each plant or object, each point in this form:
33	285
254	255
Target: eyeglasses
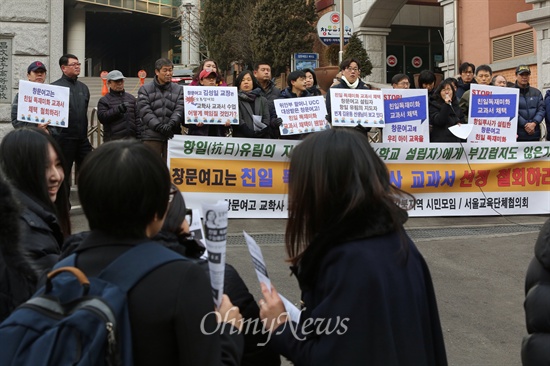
74	64
352	69
403	83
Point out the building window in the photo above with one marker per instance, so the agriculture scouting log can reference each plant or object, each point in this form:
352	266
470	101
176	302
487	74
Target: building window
513	45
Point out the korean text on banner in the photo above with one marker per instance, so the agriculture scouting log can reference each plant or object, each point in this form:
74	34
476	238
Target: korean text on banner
214	105
493	111
302	115
352	107
406	116
42	103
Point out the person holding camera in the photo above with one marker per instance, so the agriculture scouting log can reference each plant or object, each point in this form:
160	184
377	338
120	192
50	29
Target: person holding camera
117	110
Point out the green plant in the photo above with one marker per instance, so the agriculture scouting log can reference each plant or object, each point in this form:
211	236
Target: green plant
354	49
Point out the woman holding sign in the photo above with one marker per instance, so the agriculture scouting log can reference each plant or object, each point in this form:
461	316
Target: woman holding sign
444	113
367	293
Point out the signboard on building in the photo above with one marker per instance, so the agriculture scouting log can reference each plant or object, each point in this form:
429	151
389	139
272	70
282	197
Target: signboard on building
5	70
302	61
328	28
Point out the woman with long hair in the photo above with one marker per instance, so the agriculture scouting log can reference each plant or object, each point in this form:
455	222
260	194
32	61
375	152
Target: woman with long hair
253	108
33	163
367	293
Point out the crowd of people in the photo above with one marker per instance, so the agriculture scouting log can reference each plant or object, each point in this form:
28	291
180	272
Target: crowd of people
354	262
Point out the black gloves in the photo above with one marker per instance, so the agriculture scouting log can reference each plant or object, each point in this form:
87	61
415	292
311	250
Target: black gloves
276	122
166	129
122	108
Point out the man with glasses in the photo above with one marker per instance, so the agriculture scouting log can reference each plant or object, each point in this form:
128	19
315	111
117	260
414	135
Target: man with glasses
351	72
466	77
73	140
400	81
484	75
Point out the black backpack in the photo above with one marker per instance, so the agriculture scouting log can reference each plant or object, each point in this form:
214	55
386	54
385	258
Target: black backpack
74	320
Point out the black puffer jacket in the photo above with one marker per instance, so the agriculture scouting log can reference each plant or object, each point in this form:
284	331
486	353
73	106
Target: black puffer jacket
534	349
117	124
17	280
78	109
41	235
443	116
530	109
159	104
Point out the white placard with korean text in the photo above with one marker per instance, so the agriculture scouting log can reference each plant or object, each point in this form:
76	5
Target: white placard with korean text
352	107
211	105
406	116
302	115
493	111
42	103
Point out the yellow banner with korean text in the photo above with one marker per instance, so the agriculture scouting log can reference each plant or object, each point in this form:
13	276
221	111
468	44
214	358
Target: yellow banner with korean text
445	179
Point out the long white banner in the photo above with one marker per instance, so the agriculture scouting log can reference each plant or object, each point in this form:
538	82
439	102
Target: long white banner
445	179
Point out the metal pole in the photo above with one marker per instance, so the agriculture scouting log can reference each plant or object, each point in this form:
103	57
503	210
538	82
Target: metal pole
341	53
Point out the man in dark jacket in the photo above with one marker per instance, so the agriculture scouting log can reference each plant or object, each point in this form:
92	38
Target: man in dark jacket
531	106
73	140
297	88
466	78
117	109
160	108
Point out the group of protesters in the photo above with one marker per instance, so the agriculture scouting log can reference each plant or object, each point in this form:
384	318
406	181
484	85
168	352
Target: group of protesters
367	293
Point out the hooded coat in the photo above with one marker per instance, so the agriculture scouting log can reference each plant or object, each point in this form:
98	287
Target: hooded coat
534	348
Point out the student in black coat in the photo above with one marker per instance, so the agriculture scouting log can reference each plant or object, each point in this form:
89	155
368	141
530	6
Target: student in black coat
124	189
444	113
17	279
367	293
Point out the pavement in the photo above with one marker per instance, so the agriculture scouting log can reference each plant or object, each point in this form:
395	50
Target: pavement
478	266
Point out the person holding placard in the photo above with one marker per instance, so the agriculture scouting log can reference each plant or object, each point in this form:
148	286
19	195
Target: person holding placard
351	70
36	72
367	293
297	88
444	113
208	78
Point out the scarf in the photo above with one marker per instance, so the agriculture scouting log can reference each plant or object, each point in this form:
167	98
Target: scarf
351	86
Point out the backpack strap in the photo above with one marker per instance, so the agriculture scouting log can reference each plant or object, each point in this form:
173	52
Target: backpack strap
130	267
